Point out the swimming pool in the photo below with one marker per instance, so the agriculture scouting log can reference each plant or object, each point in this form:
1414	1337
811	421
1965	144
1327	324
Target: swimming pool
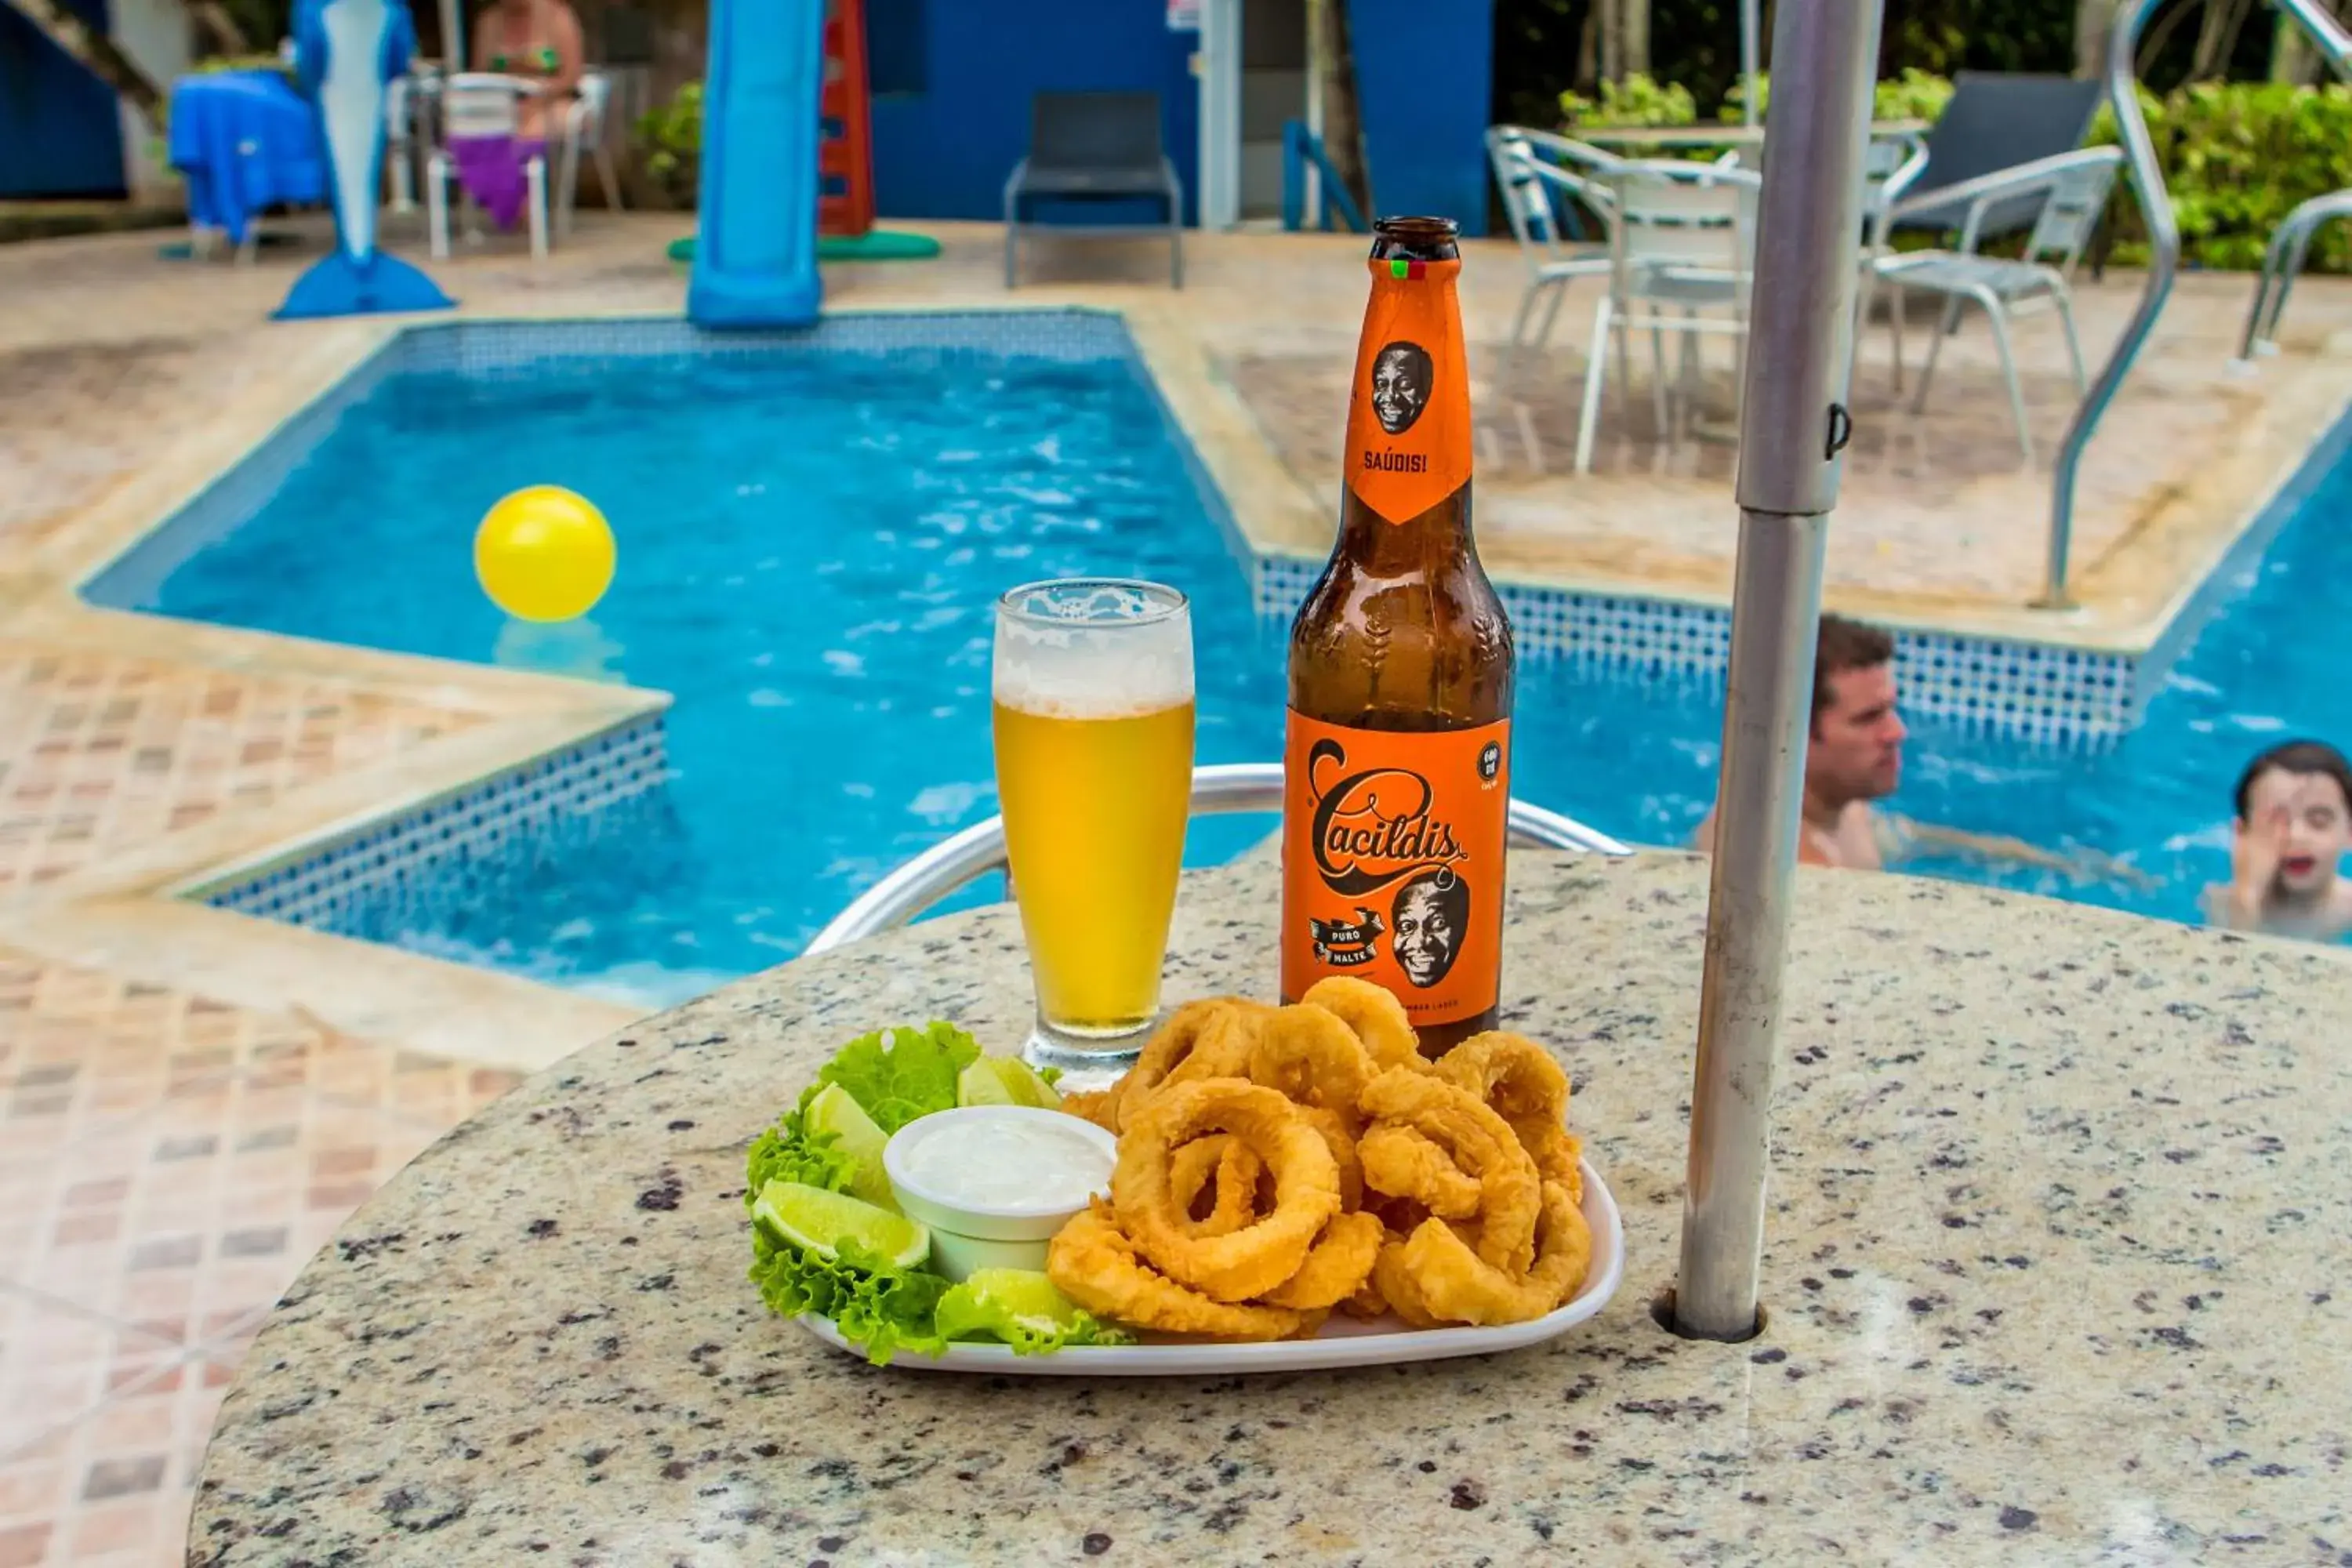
812	538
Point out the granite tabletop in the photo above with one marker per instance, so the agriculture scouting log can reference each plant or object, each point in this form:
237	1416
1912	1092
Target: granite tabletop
2059	1269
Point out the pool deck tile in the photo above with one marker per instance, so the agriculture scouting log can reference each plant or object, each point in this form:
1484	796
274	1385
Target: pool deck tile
191	1100
167	1164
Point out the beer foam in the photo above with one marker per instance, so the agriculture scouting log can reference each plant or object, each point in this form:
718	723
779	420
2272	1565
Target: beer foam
1092	670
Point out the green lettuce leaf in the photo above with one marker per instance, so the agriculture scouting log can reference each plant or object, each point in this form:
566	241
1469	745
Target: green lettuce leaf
900	1074
879	1310
1021	1309
789	1153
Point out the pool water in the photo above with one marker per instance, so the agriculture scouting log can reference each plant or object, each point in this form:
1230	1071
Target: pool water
811	543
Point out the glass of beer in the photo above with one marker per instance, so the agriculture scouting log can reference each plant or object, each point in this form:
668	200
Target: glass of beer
1093	691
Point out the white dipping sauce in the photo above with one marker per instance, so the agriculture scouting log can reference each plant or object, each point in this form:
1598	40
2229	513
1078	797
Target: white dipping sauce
998	1163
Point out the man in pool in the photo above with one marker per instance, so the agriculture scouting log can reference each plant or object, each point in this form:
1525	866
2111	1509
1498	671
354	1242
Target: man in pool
1855	756
2293	830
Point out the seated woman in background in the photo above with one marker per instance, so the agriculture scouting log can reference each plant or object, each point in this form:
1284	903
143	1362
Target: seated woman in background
539	41
2293	828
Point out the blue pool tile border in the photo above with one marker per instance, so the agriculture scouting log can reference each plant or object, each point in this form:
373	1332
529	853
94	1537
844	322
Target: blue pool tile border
2055	695
342	885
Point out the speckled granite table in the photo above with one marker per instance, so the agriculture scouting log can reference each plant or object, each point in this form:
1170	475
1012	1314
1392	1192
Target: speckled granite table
2057	1272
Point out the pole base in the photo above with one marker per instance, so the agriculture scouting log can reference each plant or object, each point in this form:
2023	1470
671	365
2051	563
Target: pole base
1662	1312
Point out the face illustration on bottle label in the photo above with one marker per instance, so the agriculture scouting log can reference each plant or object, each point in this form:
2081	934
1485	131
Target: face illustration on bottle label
1392	863
1409	414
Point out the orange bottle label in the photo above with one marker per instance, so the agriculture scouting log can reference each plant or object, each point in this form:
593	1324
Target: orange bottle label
1393	862
1409	412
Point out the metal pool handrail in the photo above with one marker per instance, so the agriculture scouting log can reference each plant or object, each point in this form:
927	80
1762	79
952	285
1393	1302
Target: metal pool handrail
2283	256
2164	259
1225	787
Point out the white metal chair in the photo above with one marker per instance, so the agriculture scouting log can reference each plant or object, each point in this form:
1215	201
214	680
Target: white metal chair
586	124
476	103
1681	251
2074	187
979	850
1537	170
407	132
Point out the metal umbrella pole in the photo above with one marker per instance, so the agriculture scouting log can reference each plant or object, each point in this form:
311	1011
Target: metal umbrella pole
1792	424
1751	32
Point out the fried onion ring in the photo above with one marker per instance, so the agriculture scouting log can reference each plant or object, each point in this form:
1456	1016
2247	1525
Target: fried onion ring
1400	1162
1099	1106
1096	1265
1200	1040
1377	1018
1393	1280
1313	1057
1447	1279
1525	1086
1225	1170
1336	1268
1476	1142
1343	1153
1262	1255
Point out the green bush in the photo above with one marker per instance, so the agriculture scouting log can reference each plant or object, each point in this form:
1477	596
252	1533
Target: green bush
671	138
2238	157
1636	100
1913	95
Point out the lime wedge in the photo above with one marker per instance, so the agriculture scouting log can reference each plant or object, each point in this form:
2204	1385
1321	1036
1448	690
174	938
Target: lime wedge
834	1110
1004	1304
1004	1080
817	1221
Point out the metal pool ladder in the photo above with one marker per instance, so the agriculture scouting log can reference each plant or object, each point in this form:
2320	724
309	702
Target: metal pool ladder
2284	259
2288	245
2164	259
957	862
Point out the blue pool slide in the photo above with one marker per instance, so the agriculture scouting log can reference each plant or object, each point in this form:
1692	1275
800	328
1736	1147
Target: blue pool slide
755	261
346	51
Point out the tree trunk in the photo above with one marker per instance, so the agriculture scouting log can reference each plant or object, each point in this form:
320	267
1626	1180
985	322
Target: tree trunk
96	53
1343	125
227	36
1613	39
1588	49
1636	27
2094	25
2217	38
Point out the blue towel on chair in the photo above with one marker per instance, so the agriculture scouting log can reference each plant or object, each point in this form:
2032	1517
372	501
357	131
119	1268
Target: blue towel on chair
245	140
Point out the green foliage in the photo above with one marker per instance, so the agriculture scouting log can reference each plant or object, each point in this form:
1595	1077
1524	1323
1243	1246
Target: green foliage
671	138
1636	100
219	63
1915	95
2238	157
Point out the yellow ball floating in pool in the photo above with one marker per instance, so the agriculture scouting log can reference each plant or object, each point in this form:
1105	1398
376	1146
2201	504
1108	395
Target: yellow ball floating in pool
544	553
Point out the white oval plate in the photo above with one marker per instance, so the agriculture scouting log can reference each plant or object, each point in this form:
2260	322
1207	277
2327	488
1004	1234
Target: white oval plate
1343	1342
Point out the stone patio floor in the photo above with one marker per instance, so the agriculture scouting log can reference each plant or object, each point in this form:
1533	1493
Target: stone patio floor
168	1160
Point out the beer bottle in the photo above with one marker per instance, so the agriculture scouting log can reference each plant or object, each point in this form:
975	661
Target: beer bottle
1397	767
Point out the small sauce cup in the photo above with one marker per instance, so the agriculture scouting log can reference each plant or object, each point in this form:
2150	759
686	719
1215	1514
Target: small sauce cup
994	1183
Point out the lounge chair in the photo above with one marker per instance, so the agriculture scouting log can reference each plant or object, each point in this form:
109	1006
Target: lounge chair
1094	147
1994	122
2067	195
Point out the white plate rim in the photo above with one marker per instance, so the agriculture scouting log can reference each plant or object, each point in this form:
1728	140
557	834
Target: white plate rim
1325	1352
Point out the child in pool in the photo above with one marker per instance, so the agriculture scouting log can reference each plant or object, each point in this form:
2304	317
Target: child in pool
2293	828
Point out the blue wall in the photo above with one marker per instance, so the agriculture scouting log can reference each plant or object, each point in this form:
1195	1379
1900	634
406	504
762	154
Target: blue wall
945	153
1424	74
1424	66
